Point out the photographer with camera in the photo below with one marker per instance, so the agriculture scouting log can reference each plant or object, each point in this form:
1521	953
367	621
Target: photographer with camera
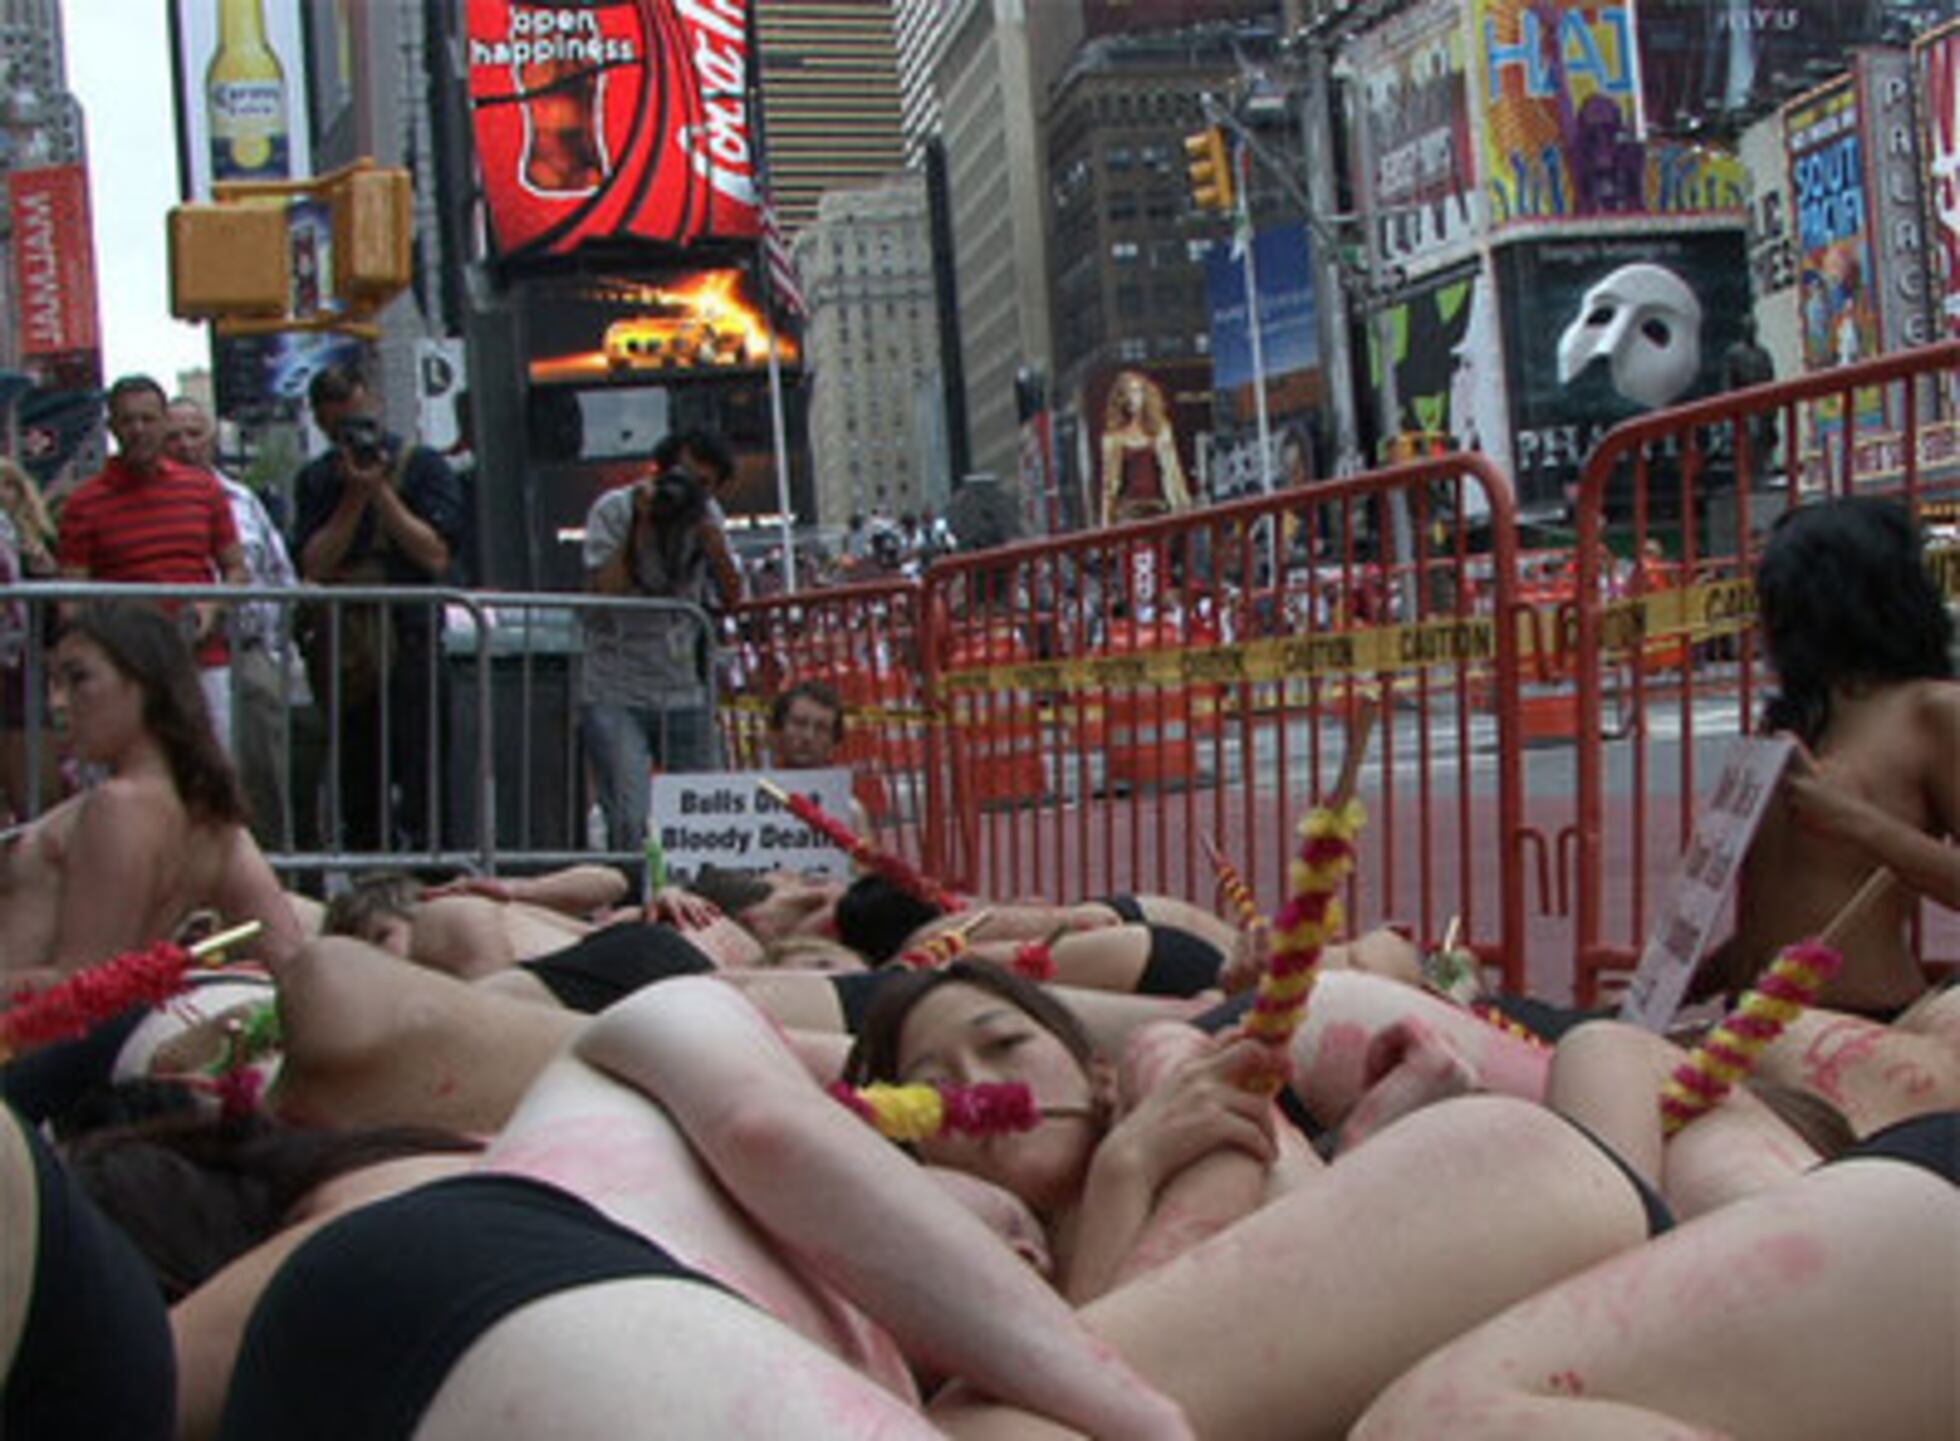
375	510
644	695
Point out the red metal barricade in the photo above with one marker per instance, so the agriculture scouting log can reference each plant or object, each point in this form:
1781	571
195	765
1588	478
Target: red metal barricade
864	641
1677	659
1193	677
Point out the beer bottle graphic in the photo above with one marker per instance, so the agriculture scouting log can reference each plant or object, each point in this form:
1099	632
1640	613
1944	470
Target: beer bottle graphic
245	92
564	153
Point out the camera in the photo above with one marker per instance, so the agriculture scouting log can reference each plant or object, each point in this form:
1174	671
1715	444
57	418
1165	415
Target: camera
361	438
677	497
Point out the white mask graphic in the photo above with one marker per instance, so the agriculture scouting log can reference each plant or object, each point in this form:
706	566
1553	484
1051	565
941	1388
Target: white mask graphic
1646	321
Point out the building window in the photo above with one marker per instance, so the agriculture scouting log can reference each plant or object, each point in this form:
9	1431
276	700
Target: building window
1123	252
1196	250
1118	158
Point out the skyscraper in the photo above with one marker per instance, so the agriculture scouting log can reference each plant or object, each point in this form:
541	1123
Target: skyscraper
830	98
872	346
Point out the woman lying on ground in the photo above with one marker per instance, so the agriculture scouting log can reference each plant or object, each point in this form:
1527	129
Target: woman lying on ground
677	1221
122	864
1808	1292
1860	640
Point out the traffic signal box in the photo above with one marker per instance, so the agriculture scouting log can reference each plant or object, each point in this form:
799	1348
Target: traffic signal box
1209	153
255	259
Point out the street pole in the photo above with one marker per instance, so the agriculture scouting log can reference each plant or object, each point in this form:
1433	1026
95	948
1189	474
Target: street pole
1242	162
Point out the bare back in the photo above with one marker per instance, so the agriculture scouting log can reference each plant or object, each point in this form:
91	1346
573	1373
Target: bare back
121	867
1890	751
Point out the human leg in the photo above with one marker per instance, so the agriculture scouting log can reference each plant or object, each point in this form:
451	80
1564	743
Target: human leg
684	739
1822	1309
260	743
1290	1322
616	747
602	1361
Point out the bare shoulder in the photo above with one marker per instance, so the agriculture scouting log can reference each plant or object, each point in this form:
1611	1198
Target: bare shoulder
1936	704
126	814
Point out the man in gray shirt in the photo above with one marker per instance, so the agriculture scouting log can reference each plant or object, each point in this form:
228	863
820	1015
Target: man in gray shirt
644	692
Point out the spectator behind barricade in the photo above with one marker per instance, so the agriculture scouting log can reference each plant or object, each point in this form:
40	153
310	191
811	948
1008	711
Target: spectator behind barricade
34	532
644	696
260	683
806	726
147	520
375	510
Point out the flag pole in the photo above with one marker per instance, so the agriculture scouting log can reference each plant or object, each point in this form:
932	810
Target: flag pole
780	432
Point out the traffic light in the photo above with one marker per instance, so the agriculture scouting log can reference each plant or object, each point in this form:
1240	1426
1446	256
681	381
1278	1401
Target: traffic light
1210	169
320	254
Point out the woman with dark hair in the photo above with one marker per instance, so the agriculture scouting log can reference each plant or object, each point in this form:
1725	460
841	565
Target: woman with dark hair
122	864
1860	641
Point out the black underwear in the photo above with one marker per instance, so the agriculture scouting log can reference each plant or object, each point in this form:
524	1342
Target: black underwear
95	1357
611	964
1931	1142
1128	908
363	1323
1660	1217
1180	964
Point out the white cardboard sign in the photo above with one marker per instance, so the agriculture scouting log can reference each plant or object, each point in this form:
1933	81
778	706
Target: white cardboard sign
1724	827
726	819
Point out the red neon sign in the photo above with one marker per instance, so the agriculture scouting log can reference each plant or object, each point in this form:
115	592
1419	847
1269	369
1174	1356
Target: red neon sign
611	119
54	260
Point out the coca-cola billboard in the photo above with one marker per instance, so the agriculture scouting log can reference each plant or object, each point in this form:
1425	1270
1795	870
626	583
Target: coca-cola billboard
627	120
54	261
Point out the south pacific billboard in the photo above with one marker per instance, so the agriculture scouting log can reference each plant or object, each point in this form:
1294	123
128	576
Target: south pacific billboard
617	122
1603	328
1836	253
1412	146
1561	129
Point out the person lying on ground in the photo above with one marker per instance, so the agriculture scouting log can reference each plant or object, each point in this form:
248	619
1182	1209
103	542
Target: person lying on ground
674	1174
1807	1292
679	1152
121	865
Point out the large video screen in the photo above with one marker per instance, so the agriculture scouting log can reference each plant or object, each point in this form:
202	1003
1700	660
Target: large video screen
624	121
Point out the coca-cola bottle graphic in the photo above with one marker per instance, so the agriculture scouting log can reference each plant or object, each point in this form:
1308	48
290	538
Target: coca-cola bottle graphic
564	150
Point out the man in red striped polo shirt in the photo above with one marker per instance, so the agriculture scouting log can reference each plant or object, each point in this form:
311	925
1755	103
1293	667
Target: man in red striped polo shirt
148	520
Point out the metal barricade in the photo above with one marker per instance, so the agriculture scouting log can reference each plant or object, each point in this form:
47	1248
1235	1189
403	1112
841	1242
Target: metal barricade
1676	656
864	642
1108	701
466	756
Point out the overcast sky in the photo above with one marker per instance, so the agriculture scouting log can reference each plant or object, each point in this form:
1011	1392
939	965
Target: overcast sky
118	54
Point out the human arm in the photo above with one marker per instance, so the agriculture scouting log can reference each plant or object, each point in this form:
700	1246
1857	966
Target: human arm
1194	1114
577	890
615	528
1928	863
1177	491
333	497
726	574
858	1213
1112	476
